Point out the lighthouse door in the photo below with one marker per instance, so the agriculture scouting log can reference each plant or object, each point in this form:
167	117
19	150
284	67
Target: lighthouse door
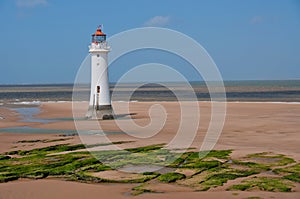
97	97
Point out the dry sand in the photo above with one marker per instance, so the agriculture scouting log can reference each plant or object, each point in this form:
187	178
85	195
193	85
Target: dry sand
249	128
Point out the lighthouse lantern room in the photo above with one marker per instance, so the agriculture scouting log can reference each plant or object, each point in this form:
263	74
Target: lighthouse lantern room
100	102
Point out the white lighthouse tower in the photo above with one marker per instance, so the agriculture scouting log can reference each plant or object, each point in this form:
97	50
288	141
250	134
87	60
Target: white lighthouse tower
100	102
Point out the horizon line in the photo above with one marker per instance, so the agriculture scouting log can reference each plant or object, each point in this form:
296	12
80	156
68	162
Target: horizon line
245	80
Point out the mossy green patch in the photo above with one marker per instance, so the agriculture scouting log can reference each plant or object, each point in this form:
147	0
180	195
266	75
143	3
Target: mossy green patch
49	149
270	159
59	148
43	141
72	166
179	160
290	169
203	159
240	187
140	190
252	165
40	165
218	179
95	167
201	164
4	157
120	159
7	176
86	176
291	173
292	177
145	148
171	177
221	154
151	173
36	174
265	184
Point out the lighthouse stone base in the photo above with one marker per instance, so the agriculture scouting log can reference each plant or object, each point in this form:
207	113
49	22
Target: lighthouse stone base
102	112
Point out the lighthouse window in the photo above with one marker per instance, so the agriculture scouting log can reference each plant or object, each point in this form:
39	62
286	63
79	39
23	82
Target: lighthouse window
98	55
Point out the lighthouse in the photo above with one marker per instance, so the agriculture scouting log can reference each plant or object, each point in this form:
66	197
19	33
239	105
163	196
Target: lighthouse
100	102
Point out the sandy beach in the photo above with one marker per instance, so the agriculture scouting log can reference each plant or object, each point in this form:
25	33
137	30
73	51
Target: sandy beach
249	128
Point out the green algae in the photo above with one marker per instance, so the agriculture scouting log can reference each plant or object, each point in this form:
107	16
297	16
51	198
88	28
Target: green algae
272	184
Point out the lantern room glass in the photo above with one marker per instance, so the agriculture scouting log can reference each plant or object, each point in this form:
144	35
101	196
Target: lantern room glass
98	38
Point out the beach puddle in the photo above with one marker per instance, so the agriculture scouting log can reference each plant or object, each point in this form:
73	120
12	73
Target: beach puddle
266	159
27	115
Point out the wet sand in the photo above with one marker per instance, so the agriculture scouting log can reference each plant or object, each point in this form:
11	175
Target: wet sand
50	188
249	128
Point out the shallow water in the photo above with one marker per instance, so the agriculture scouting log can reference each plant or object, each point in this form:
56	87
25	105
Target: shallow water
27	115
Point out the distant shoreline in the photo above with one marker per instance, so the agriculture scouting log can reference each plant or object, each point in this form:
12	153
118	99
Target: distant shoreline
236	91
172	82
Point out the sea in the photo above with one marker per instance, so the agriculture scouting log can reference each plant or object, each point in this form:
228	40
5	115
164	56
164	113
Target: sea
236	91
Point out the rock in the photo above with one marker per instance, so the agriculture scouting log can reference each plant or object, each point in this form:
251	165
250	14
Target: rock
2	118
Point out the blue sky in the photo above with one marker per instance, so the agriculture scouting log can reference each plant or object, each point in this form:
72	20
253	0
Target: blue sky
44	41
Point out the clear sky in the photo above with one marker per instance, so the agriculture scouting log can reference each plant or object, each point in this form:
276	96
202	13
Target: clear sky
44	41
